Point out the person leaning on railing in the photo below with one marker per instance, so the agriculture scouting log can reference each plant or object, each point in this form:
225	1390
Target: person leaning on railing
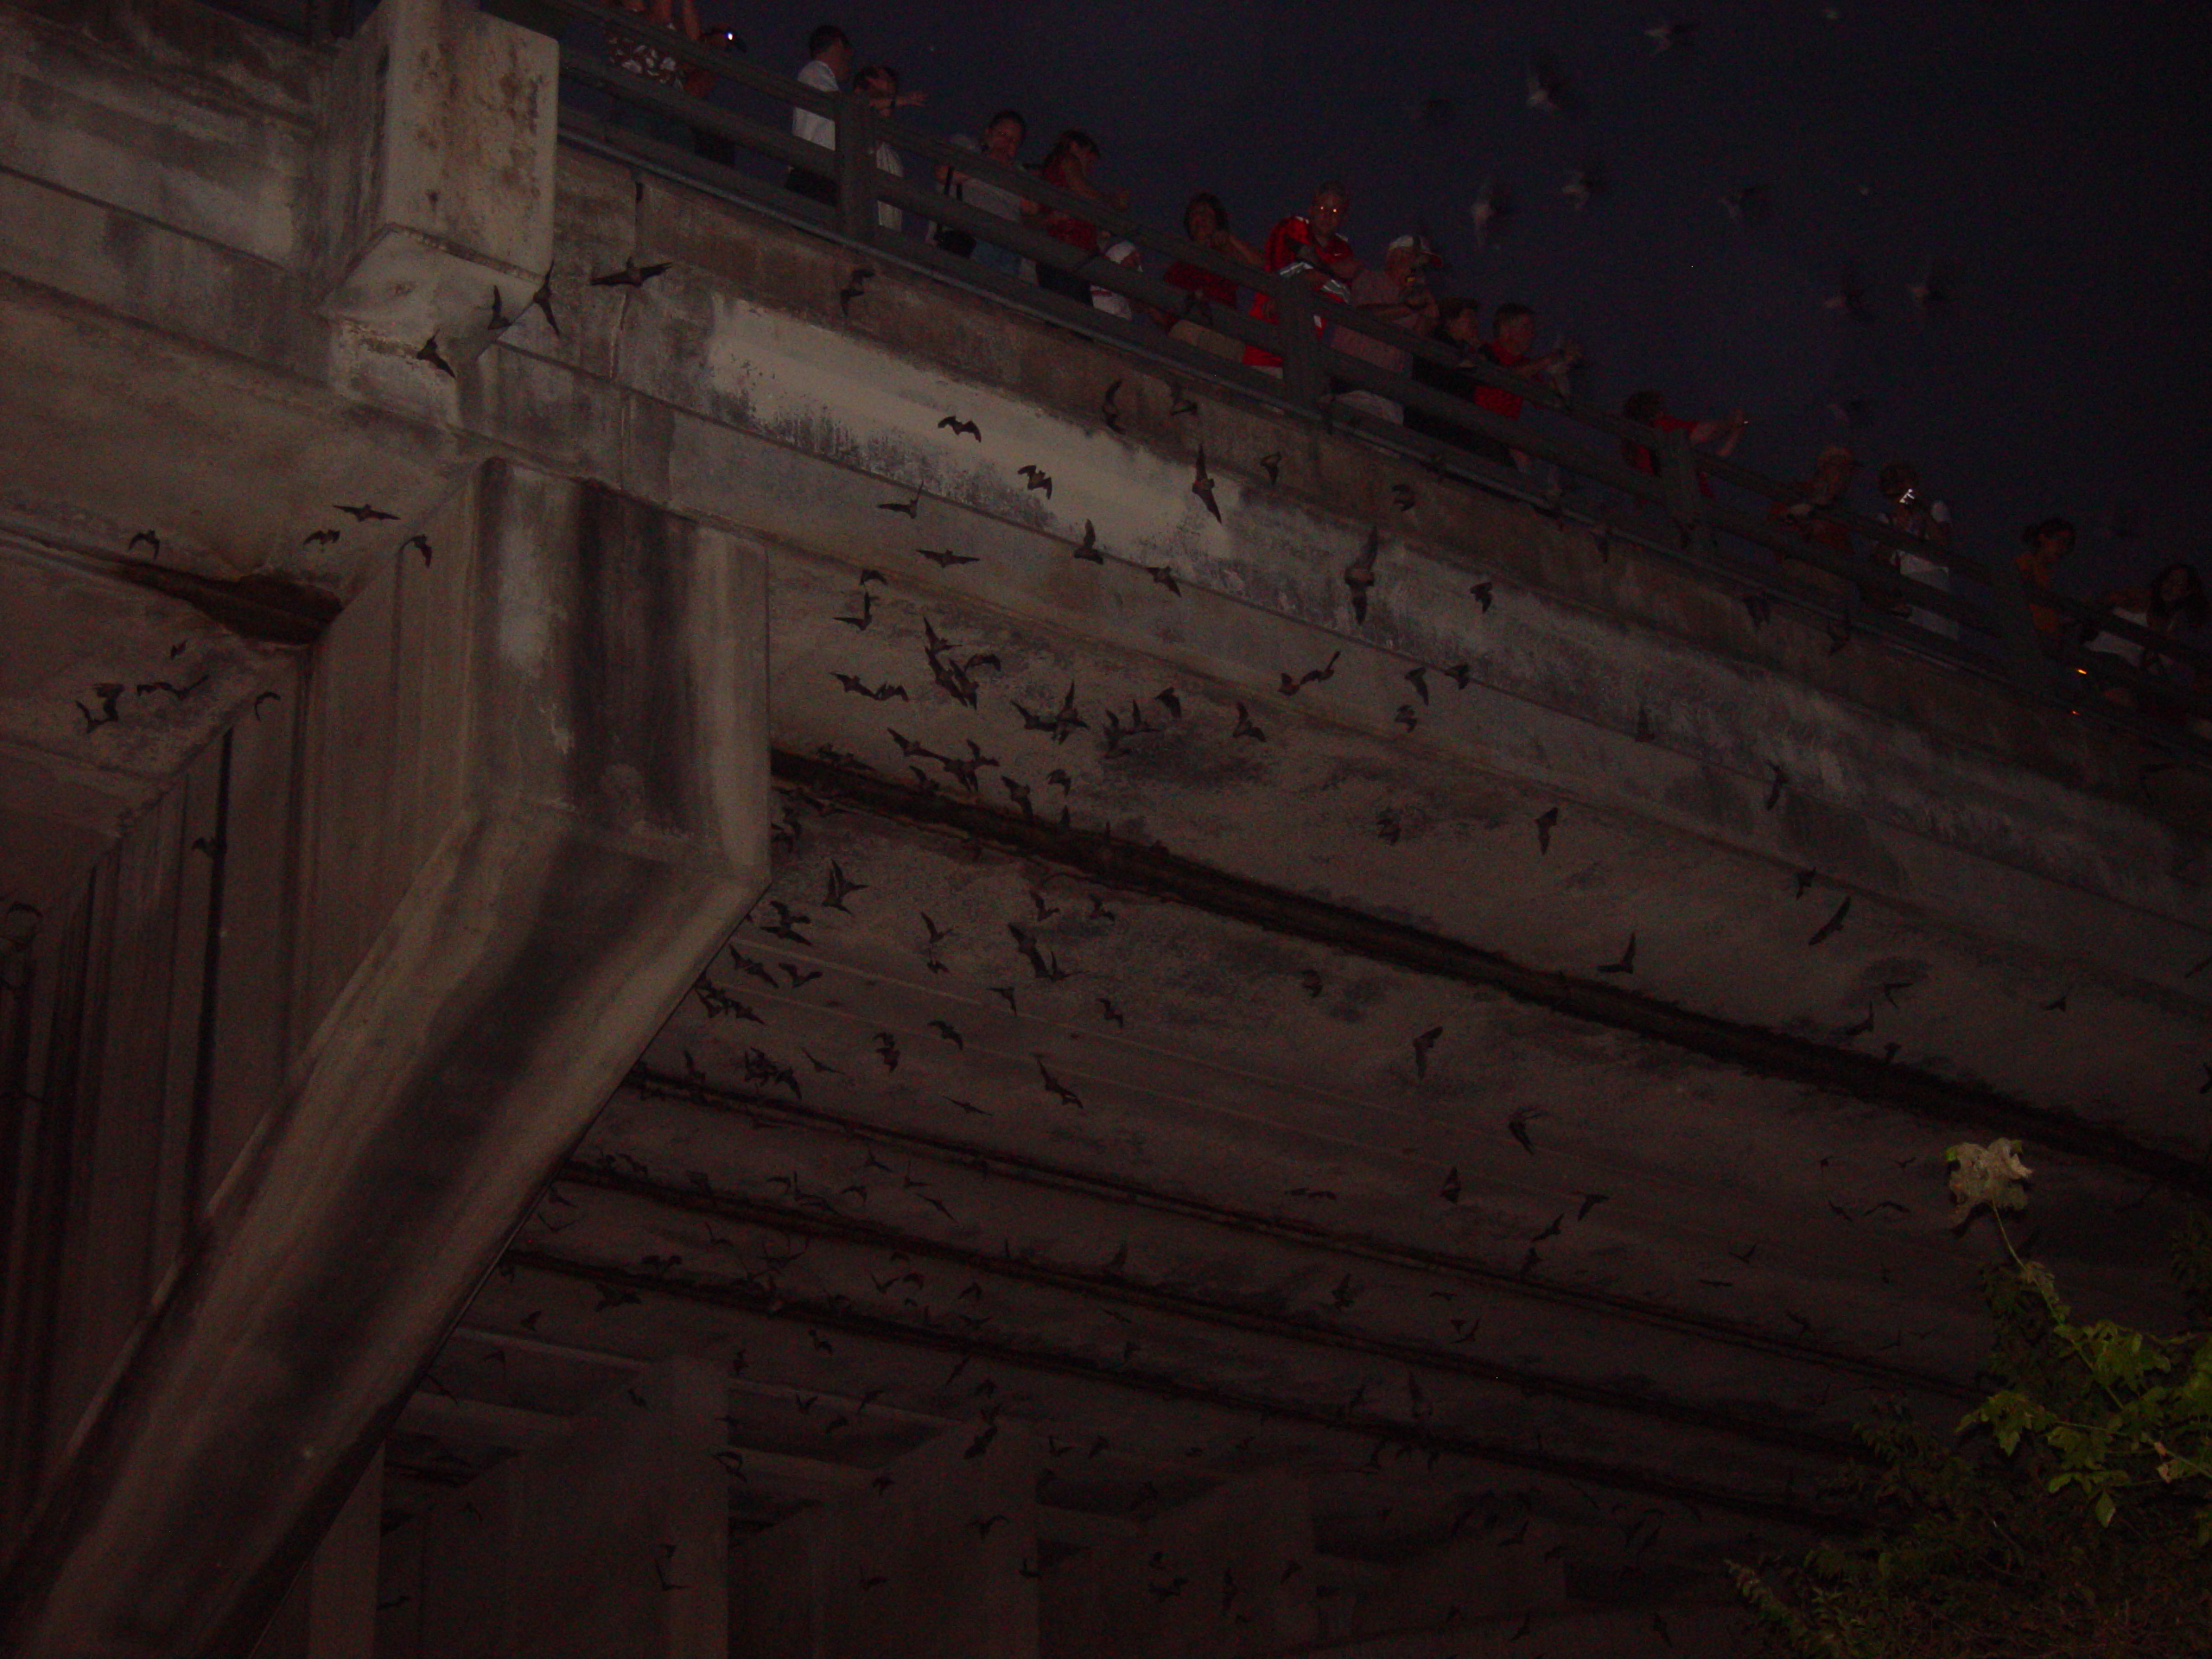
1454	328
2047	542
1511	346
1001	142
634	51
879	84
1649	409
1810	508
828	61
1069	167
1206	222
1395	294
1915	515
1311	248
2174	603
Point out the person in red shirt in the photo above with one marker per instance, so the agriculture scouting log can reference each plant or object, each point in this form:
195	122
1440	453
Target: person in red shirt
1069	166
1650	408
1205	221
1512	333
1309	245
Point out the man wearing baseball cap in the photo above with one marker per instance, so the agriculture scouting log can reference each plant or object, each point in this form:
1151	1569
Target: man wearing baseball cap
1396	295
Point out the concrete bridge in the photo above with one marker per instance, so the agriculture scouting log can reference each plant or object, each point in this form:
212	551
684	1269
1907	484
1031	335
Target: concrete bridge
656	1003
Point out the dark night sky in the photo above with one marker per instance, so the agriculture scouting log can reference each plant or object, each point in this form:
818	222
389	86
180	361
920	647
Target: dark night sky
2057	155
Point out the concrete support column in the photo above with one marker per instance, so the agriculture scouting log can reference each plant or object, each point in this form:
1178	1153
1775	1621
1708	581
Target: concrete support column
330	1613
438	173
614	1540
532	801
937	1558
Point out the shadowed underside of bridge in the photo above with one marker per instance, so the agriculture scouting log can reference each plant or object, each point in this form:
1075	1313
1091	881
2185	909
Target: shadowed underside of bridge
1246	1108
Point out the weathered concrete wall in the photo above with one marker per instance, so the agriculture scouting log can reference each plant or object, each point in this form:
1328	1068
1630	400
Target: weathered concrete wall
529	801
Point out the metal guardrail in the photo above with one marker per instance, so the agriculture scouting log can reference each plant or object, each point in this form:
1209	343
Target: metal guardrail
1676	512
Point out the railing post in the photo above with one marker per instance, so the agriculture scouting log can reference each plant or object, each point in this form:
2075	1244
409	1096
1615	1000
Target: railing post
1301	344
855	167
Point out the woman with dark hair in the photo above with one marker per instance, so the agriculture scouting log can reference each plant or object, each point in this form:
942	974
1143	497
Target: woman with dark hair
2172	603
1454	330
2177	606
1069	166
1205	221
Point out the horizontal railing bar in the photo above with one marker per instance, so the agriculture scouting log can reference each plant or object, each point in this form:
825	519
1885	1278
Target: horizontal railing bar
772	142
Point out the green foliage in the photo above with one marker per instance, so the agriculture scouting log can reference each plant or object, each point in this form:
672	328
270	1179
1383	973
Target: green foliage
2069	1513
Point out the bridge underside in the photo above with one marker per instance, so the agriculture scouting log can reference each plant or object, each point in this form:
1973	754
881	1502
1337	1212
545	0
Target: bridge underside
1252	1108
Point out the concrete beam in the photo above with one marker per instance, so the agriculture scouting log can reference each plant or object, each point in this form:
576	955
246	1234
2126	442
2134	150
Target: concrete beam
532	802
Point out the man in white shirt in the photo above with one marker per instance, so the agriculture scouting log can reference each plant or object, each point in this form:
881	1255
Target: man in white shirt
829	60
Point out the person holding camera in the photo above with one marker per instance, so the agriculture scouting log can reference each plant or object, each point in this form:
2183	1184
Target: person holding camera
1395	294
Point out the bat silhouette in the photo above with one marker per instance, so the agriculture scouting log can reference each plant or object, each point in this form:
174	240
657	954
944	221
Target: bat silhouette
1202	484
860	688
913	509
428	353
1088	551
1038	479
1311	676
838	886
1827	929
955	425
948	558
1109	410
1359	574
632	275
855	287
1165	576
1422	1043
1244	727
1272	466
1547	821
1059	1090
1627	963
364	513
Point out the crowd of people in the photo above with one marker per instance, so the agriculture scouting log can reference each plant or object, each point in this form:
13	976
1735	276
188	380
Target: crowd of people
1397	293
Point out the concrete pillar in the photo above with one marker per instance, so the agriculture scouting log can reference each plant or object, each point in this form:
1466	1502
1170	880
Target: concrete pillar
1230	1572
936	1559
532	801
438	173
613	1540
330	1613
